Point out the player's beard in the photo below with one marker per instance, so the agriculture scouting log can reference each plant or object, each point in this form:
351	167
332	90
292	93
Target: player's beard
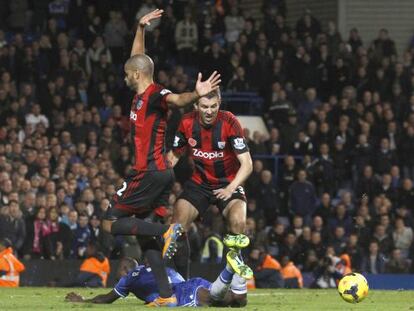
131	84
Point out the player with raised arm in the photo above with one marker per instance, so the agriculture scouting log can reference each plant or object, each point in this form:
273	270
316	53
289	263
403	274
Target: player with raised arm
147	187
139	280
222	163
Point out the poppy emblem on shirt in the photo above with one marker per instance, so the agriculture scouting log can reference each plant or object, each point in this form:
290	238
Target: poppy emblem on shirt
221	144
192	142
139	104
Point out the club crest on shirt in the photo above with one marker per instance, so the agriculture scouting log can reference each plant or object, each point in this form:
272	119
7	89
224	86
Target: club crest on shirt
139	104
192	142
239	143
221	144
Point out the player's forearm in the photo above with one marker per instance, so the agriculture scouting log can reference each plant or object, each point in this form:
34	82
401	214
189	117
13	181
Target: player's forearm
172	158
242	174
138	46
102	299
186	98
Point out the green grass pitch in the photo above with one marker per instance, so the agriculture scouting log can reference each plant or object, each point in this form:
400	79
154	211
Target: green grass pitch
33	299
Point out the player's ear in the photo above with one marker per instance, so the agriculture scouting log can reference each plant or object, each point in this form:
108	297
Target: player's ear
137	74
195	105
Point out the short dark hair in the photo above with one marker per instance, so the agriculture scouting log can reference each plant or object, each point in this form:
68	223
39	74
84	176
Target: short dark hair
215	93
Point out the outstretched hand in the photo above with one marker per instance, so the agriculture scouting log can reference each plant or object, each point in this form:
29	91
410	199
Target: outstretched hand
147	18
205	87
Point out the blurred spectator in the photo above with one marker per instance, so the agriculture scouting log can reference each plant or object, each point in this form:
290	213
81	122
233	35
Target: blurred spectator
374	261
397	264
234	23
10	266
58	242
186	38
291	274
267	197
212	251
114	33
12	226
402	237
266	269
37	231
94	270
81	237
302	197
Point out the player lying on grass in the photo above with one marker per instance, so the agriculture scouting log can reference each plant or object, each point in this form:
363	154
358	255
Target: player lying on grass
140	281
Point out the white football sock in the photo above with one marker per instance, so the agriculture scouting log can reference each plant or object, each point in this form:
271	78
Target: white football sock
221	285
238	285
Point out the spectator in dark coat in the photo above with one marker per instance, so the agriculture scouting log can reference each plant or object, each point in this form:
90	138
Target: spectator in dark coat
374	261
267	197
339	240
340	219
385	158
253	182
12	225
290	130
302	145
342	164
286	178
302	197
367	184
406	153
406	195
385	242
323	172
362	153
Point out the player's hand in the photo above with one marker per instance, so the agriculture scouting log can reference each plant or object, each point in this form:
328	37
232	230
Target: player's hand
147	18
205	87
73	297
223	193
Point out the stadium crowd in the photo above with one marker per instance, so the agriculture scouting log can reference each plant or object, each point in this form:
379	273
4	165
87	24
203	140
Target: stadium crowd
340	113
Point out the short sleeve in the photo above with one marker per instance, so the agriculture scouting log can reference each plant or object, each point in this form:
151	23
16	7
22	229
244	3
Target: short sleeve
236	137
122	287
180	140
164	93
158	99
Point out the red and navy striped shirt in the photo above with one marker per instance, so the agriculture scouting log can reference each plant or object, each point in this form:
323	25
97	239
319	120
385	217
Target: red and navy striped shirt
214	149
148	118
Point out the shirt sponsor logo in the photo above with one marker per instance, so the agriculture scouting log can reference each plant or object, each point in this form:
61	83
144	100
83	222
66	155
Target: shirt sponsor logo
239	143
192	142
221	144
208	155
133	116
